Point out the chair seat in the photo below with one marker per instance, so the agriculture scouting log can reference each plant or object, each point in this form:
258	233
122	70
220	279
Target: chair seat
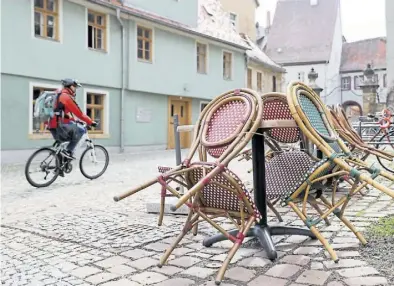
287	171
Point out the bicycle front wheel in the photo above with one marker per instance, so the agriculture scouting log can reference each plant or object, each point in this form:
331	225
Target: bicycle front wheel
387	146
44	162
94	162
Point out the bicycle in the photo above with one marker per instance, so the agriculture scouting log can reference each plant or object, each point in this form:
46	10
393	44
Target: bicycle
63	165
386	124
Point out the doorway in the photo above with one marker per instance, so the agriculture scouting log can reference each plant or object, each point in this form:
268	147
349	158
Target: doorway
182	107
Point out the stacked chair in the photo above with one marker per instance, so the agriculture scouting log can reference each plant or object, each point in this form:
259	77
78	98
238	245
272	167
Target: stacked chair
223	129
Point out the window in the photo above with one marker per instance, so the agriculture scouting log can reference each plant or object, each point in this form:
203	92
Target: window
46	19
201	58
227	65
249	78
37	126
346	83
385	80
274	83
301	76
376	78
357	81
96	31
259	81
95	110
233	20
144	39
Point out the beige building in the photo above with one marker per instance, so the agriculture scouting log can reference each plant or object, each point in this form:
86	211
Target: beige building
263	74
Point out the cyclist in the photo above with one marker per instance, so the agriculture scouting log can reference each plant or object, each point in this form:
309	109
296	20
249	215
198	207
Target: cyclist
63	126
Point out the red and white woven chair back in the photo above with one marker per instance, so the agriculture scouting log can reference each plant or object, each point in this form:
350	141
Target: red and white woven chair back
276	108
224	124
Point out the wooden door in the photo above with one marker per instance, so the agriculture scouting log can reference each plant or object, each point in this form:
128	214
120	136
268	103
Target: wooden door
181	107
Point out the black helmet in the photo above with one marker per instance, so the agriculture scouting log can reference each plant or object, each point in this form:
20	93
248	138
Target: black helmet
67	82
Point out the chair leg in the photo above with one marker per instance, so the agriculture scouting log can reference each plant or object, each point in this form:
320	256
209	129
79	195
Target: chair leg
189	221
232	252
353	229
318	209
271	206
162	205
318	235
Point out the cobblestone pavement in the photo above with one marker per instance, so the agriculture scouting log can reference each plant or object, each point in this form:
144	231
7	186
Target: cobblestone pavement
73	233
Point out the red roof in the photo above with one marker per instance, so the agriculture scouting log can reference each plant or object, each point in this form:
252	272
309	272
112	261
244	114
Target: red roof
356	55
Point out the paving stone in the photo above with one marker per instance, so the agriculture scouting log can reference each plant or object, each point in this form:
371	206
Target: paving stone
143	263
335	283
101	277
176	282
357	272
345	245
181	251
266	280
317	266
212	283
346	239
213	265
168	270
85	271
198	254
184	261
157	246
283	270
343	254
307	250
296	239
112	261
254	262
121	282
137	253
198	272
239	274
366	281
147	277
122	269
313	277
296	259
344	263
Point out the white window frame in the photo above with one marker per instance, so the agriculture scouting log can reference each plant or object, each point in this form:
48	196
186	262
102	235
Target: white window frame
207	57
301	76
149	26
60	41
232	65
349	79
107	31
233	22
106	108
31	86
201	103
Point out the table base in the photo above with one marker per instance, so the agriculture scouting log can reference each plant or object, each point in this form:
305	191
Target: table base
263	234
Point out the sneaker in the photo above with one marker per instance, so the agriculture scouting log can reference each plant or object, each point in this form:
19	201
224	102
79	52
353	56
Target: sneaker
67	154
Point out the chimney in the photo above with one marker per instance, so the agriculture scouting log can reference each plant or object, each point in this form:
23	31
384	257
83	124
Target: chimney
268	20
314	2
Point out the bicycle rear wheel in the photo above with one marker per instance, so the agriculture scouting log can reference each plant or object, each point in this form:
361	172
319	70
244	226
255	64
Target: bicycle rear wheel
44	166
99	156
388	148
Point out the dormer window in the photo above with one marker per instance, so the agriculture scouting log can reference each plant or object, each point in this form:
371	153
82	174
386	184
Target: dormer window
233	20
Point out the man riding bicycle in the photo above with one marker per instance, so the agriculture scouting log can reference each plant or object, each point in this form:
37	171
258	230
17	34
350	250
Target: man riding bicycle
63	126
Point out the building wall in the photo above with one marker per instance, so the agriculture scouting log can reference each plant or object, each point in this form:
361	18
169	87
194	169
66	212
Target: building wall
45	62
245	11
180	11
390	41
356	94
267	78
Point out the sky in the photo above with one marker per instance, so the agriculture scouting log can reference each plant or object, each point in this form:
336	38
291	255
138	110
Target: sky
357	20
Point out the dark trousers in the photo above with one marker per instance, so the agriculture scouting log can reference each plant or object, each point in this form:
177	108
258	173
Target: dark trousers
68	132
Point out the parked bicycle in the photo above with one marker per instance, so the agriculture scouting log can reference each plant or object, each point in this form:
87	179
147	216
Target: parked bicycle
62	165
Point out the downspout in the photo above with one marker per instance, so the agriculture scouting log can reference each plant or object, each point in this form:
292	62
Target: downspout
123	71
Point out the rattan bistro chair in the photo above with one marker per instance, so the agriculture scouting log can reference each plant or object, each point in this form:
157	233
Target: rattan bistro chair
313	119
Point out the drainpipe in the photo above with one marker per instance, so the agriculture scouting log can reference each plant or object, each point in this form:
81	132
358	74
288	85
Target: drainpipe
123	71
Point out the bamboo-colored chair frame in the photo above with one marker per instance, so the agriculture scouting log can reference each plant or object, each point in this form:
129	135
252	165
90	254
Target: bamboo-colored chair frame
342	168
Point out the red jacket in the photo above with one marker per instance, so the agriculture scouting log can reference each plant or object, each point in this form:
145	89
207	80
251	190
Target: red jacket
70	106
